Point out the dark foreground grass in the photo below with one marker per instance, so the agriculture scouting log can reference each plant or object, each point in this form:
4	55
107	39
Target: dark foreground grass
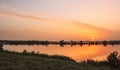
16	61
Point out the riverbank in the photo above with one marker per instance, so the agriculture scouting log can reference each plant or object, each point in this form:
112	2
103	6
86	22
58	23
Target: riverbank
22	61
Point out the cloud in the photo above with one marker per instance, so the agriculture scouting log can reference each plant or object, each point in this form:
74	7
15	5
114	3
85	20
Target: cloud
24	16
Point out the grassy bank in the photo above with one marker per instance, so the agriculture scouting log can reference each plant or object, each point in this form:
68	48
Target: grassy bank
22	61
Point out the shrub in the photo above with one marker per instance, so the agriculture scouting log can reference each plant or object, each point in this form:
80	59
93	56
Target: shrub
1	47
114	60
25	52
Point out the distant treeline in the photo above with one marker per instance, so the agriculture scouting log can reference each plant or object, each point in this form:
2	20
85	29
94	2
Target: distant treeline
61	42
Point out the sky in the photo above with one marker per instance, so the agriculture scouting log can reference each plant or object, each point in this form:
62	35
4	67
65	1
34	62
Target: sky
60	19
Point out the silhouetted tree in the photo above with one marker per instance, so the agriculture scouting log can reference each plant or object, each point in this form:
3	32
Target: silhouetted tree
62	43
33	53
25	52
1	47
114	60
81	43
104	43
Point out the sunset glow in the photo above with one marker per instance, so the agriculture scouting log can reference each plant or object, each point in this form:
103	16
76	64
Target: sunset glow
55	20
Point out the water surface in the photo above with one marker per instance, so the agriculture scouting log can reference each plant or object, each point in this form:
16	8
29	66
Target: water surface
77	52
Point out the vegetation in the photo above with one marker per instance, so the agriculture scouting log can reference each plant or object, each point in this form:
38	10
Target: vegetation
114	60
48	56
61	43
1	47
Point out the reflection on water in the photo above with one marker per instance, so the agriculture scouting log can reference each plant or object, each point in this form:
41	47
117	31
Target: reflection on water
96	52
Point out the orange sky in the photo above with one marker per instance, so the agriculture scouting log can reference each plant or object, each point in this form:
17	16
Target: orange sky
46	20
32	27
101	13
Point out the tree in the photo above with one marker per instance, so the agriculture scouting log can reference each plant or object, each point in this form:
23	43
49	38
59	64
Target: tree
62	43
33	53
1	47
25	52
113	60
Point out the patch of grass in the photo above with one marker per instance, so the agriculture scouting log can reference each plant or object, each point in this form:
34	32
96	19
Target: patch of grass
61	57
20	61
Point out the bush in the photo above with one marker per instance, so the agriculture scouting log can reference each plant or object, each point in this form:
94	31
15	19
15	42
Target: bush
25	52
114	60
1	47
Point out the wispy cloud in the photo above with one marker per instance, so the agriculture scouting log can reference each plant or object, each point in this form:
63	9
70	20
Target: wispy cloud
49	20
24	16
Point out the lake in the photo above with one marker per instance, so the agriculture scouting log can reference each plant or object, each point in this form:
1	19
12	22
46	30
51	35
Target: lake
77	52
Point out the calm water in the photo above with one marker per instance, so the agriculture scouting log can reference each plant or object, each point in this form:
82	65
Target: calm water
96	52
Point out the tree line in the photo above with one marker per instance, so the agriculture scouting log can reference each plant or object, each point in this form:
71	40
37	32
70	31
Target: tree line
61	42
